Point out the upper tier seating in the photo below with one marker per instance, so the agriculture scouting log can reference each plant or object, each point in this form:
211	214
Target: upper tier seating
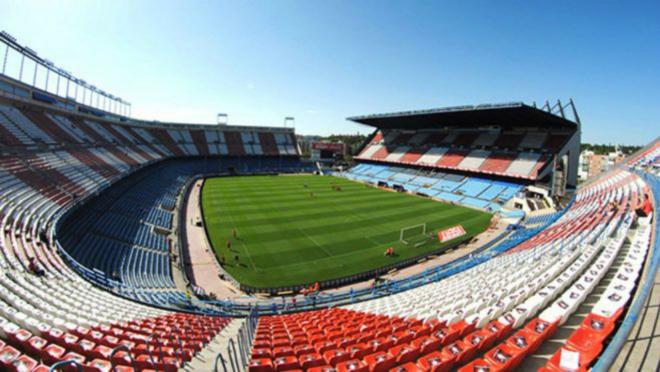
49	162
647	156
58	160
29	128
511	154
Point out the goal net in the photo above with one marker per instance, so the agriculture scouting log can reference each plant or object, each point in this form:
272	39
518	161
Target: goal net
414	235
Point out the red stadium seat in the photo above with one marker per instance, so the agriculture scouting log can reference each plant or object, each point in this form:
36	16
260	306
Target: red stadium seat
584	360
100	365
602	325
35	345
352	365
586	340
481	365
304	349
311	360
323	346
358	351
477	339
282	351
334	356
408	367
404	353
462	327
322	369
502	356
281	342
261	353
261	365
426	344
497	328
543	329
52	353
458	352
19	338
379	362
524	341
435	362
379	344
73	356
144	361
23	363
286	363
7	356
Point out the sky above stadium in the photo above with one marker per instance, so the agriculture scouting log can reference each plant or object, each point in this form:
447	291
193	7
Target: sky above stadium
322	61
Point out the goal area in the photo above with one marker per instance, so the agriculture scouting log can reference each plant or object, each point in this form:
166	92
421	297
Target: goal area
414	235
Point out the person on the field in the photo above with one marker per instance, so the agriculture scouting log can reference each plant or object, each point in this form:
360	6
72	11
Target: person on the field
236	259
229	244
222	259
233	233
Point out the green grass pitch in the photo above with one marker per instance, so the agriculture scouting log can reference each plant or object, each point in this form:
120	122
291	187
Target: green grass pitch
286	236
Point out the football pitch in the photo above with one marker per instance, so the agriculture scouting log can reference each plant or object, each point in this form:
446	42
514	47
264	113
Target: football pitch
300	229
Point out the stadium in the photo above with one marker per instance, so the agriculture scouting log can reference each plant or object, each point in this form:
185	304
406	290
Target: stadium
459	238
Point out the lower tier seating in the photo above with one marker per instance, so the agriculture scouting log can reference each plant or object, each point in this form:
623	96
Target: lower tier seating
489	317
471	191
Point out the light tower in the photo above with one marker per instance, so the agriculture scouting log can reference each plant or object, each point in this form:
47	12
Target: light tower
222	119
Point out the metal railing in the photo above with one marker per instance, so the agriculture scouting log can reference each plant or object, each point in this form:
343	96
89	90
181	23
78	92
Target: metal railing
126	349
619	339
237	355
64	363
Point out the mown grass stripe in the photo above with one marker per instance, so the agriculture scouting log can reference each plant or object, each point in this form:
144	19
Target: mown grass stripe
289	238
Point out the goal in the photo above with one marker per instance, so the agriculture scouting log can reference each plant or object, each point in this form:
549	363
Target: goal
414	235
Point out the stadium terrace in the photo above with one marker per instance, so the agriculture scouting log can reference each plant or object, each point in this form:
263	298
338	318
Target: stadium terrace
458	239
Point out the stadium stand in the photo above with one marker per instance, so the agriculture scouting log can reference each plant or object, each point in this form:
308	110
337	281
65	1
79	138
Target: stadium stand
492	140
87	212
472	191
54	161
496	161
482	319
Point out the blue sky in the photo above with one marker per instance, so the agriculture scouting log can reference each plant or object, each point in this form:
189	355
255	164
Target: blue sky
322	61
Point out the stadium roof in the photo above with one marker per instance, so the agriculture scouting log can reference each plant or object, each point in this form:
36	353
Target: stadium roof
515	114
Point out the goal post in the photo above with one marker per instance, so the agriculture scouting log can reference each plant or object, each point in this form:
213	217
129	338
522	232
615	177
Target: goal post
413	234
